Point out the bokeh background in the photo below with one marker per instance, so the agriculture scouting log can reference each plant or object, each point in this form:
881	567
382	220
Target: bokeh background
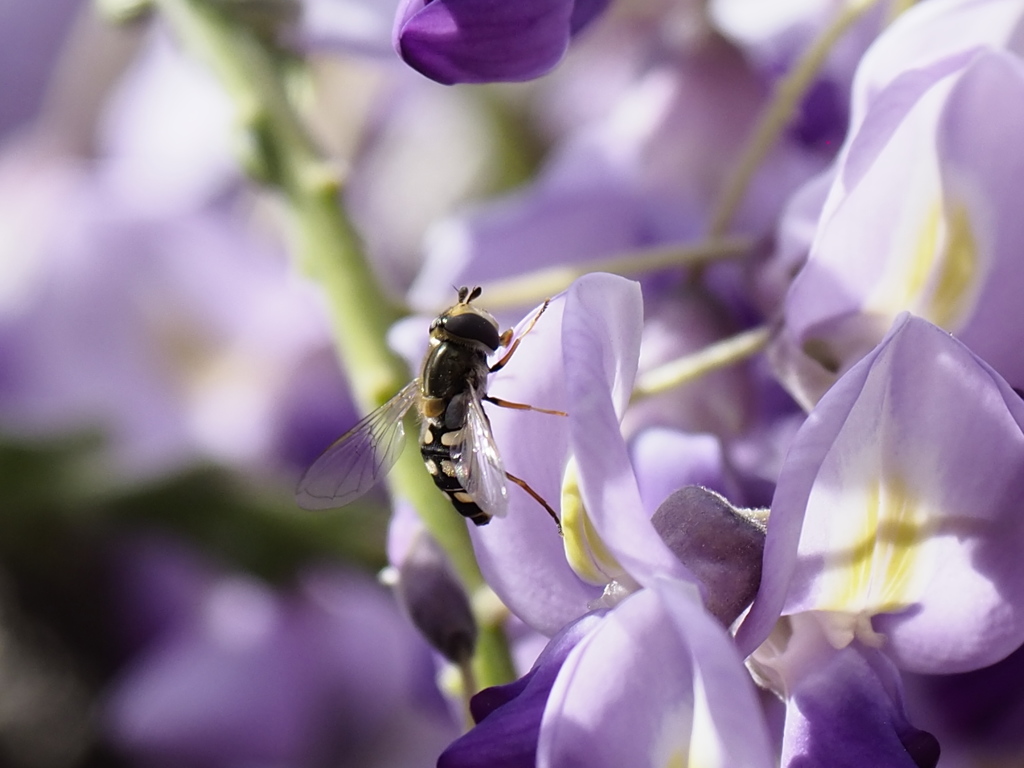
167	372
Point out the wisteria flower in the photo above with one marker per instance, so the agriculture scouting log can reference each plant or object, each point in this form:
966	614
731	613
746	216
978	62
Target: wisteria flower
844	707
654	682
896	516
913	223
479	41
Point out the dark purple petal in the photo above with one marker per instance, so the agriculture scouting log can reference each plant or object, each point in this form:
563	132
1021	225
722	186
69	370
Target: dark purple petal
509	716
584	12
979	711
435	600
479	41
848	713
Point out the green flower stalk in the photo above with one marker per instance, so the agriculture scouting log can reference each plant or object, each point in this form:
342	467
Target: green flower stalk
281	153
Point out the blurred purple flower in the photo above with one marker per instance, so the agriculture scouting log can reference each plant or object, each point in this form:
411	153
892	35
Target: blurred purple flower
774	37
113	316
362	26
30	46
122	327
480	41
240	673
631	179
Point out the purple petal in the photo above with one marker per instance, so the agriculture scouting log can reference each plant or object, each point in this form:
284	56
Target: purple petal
534	229
885	188
601	340
657	681
521	555
979	711
479	41
667	460
929	32
902	489
845	710
509	716
918	224
980	178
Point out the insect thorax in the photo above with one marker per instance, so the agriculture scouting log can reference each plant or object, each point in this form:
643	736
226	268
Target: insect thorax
450	369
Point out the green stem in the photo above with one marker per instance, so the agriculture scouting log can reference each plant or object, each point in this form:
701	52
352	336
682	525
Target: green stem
685	369
535	286
777	115
330	251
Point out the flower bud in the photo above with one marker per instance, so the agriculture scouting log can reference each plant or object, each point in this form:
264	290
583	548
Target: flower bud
721	544
435	600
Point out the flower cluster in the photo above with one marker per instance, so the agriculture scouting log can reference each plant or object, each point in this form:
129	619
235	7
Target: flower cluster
762	264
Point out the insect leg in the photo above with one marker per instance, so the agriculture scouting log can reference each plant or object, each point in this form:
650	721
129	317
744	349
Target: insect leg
526	487
521	406
506	337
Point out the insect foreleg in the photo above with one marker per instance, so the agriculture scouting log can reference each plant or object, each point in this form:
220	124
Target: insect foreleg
507	336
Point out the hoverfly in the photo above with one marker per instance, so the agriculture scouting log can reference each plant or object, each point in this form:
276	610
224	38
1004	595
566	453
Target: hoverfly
455	435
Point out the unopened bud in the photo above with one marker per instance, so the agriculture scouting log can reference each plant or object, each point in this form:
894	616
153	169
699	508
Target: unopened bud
435	600
721	544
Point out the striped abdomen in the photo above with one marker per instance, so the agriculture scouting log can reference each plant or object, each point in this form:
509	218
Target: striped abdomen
436	441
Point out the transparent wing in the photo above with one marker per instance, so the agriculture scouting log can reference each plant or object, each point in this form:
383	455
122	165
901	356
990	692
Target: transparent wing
357	460
478	465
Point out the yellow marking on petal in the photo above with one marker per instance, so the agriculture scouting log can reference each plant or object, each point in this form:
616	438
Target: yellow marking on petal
924	256
585	552
882	568
956	272
938	277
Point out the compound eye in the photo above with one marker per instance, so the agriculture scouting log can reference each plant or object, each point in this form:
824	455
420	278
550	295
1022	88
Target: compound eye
473	327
